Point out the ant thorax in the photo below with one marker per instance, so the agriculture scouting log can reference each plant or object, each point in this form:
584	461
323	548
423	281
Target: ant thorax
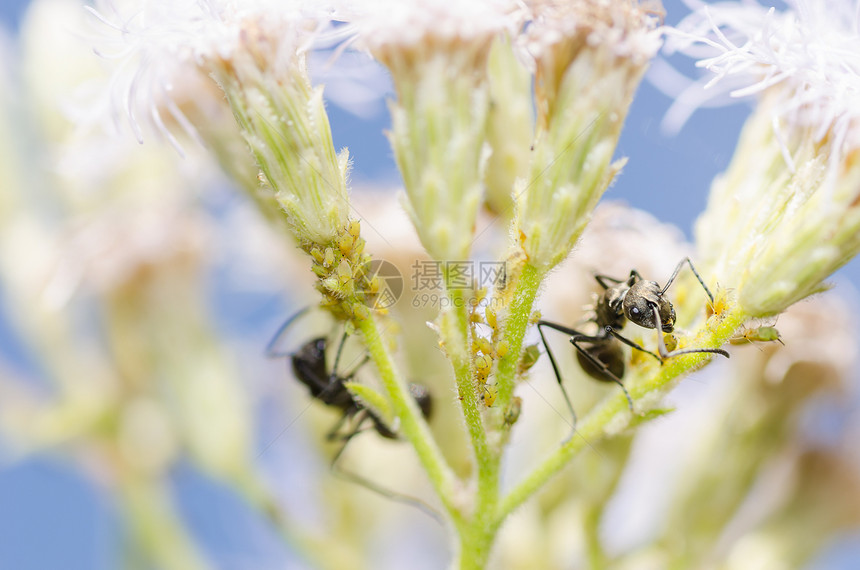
609	308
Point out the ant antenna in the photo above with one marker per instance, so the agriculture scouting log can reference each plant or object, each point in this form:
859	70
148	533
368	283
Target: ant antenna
351	477
696	273
558	379
271	351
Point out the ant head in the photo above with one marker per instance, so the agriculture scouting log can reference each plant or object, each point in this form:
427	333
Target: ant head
639	304
422	396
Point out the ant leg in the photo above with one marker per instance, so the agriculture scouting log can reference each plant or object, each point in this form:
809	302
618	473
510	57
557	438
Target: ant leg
630	343
338	353
355	369
271	350
334	433
351	477
601	279
632	278
661	344
555	369
575	340
696	273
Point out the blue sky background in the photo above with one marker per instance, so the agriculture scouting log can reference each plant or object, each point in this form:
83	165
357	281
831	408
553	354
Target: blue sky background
51	516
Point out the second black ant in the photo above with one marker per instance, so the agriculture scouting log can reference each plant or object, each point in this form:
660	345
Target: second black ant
634	299
329	387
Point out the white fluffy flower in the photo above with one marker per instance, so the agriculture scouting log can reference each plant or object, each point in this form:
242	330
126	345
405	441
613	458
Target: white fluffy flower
807	57
159	46
785	214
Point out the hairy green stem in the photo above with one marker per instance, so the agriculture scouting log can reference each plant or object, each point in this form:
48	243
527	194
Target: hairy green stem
516	323
412	424
455	330
475	536
476	540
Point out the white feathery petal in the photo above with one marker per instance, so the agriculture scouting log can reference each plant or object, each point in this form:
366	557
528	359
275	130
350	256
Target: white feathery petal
807	56
384	22
156	44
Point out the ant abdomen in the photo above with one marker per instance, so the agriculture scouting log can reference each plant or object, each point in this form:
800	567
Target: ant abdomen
422	396
610	354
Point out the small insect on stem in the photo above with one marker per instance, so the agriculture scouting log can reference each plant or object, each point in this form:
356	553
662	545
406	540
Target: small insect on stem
330	387
758	334
634	299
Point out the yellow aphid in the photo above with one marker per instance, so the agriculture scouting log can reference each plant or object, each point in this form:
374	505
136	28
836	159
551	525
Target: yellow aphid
721	303
483	345
530	356
344	272
491	318
489	394
345	243
331	284
319	270
317	254
512	414
354	228
483	365
328	259
502	348
671	341
759	334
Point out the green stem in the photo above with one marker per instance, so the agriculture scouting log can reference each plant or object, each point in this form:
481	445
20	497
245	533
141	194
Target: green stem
516	323
455	330
593	547
155	526
475	544
475	535
595	426
412	424
476	540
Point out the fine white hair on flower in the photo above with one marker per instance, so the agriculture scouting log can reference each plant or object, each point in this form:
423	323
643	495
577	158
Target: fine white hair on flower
404	22
629	29
158	46
806	58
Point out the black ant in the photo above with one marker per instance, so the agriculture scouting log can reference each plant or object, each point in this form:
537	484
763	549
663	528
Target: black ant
309	368
642	302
